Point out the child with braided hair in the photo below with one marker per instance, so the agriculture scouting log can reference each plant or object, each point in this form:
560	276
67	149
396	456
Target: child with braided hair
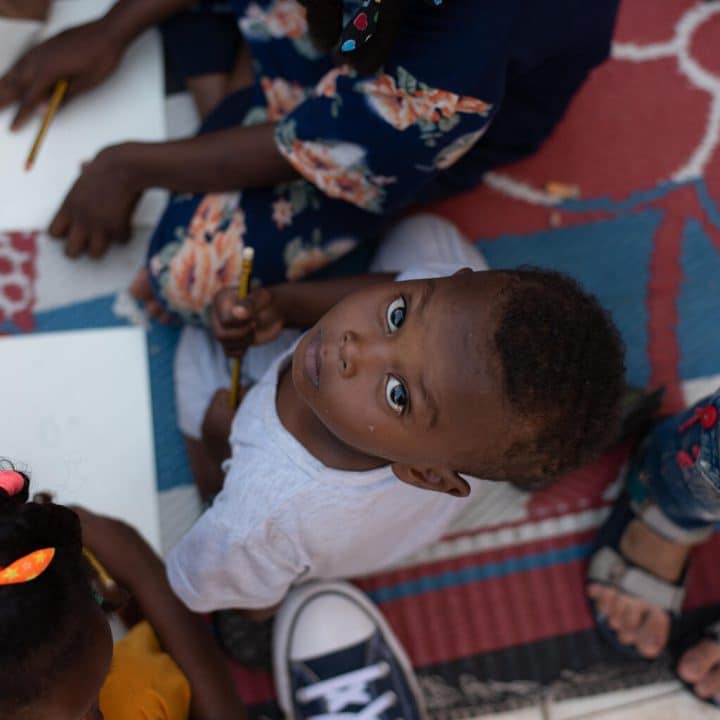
55	642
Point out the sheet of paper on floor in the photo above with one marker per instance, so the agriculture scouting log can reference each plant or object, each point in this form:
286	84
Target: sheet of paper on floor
127	106
76	411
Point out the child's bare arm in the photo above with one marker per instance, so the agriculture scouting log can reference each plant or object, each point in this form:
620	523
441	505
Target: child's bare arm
261	316
84	55
183	635
96	212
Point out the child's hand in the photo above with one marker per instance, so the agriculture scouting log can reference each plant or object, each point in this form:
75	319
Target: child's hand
84	55
118	547
237	324
97	210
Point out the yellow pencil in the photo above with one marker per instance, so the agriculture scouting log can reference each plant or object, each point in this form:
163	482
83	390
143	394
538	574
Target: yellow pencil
105	580
248	254
57	97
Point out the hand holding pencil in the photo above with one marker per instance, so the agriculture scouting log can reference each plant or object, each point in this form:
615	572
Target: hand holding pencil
239	321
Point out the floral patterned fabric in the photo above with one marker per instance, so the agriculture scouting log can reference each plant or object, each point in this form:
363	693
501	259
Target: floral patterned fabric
365	146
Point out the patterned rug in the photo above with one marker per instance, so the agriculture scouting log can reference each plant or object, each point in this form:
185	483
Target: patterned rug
494	615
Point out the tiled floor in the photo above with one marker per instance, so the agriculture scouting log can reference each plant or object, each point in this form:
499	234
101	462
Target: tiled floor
666	701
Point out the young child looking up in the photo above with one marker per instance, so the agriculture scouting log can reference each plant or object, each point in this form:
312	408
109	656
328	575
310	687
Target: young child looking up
401	385
55	642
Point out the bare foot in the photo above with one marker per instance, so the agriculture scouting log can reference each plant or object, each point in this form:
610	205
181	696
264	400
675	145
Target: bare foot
700	667
142	290
637	622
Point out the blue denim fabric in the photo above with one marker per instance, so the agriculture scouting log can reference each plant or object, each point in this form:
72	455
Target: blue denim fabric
678	466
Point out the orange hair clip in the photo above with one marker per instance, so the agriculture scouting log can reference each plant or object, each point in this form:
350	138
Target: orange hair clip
27	568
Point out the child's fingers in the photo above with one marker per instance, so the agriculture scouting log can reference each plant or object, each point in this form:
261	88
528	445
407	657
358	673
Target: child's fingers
10	88
268	333
241	312
77	241
37	93
60	224
225	332
98	244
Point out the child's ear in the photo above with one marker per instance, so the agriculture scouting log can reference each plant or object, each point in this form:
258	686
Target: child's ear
463	271
439	479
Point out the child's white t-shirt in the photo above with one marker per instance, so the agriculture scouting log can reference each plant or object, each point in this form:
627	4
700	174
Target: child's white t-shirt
283	516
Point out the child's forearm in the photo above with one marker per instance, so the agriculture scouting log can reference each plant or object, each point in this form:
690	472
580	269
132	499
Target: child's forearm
234	159
126	19
302	304
185	637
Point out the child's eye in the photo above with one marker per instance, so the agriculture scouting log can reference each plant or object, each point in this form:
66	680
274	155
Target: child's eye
395	314
396	395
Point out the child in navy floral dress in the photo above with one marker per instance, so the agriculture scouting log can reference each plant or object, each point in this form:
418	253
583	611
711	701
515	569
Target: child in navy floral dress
352	112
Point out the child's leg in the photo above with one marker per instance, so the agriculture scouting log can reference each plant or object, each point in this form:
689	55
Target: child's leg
675	484
204	415
204	44
208	90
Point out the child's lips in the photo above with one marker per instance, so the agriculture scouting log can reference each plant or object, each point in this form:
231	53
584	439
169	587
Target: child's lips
312	361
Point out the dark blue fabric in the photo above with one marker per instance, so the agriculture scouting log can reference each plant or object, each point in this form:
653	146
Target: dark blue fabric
679	468
466	88
202	40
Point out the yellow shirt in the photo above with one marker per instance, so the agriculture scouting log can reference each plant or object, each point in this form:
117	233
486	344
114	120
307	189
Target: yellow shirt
144	682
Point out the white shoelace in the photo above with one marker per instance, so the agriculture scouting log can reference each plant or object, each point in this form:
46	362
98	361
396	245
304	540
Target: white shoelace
350	689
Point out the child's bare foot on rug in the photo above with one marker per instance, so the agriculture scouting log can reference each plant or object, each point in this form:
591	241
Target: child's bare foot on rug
700	667
636	621
142	290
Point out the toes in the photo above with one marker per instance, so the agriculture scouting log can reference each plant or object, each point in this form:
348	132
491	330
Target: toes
631	618
696	663
653	632
622	606
709	686
604	597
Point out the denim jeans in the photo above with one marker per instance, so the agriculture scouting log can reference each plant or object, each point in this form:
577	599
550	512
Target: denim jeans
678	466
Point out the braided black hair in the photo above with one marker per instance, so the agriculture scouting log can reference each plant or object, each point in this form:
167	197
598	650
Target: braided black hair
325	24
42	621
563	368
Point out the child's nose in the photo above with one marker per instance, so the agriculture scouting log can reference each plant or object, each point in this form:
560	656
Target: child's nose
347	357
360	352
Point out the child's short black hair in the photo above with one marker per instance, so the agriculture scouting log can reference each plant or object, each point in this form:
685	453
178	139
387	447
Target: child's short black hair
563	368
41	622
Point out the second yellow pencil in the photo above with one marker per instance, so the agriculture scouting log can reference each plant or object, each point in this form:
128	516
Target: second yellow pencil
248	255
57	97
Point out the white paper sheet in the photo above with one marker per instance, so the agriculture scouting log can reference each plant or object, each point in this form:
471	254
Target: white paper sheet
76	411
127	106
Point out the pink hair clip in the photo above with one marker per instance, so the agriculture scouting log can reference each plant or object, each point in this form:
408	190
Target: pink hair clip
11	481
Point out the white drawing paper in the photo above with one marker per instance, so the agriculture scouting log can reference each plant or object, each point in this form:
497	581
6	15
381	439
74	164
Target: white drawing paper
129	105
76	413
